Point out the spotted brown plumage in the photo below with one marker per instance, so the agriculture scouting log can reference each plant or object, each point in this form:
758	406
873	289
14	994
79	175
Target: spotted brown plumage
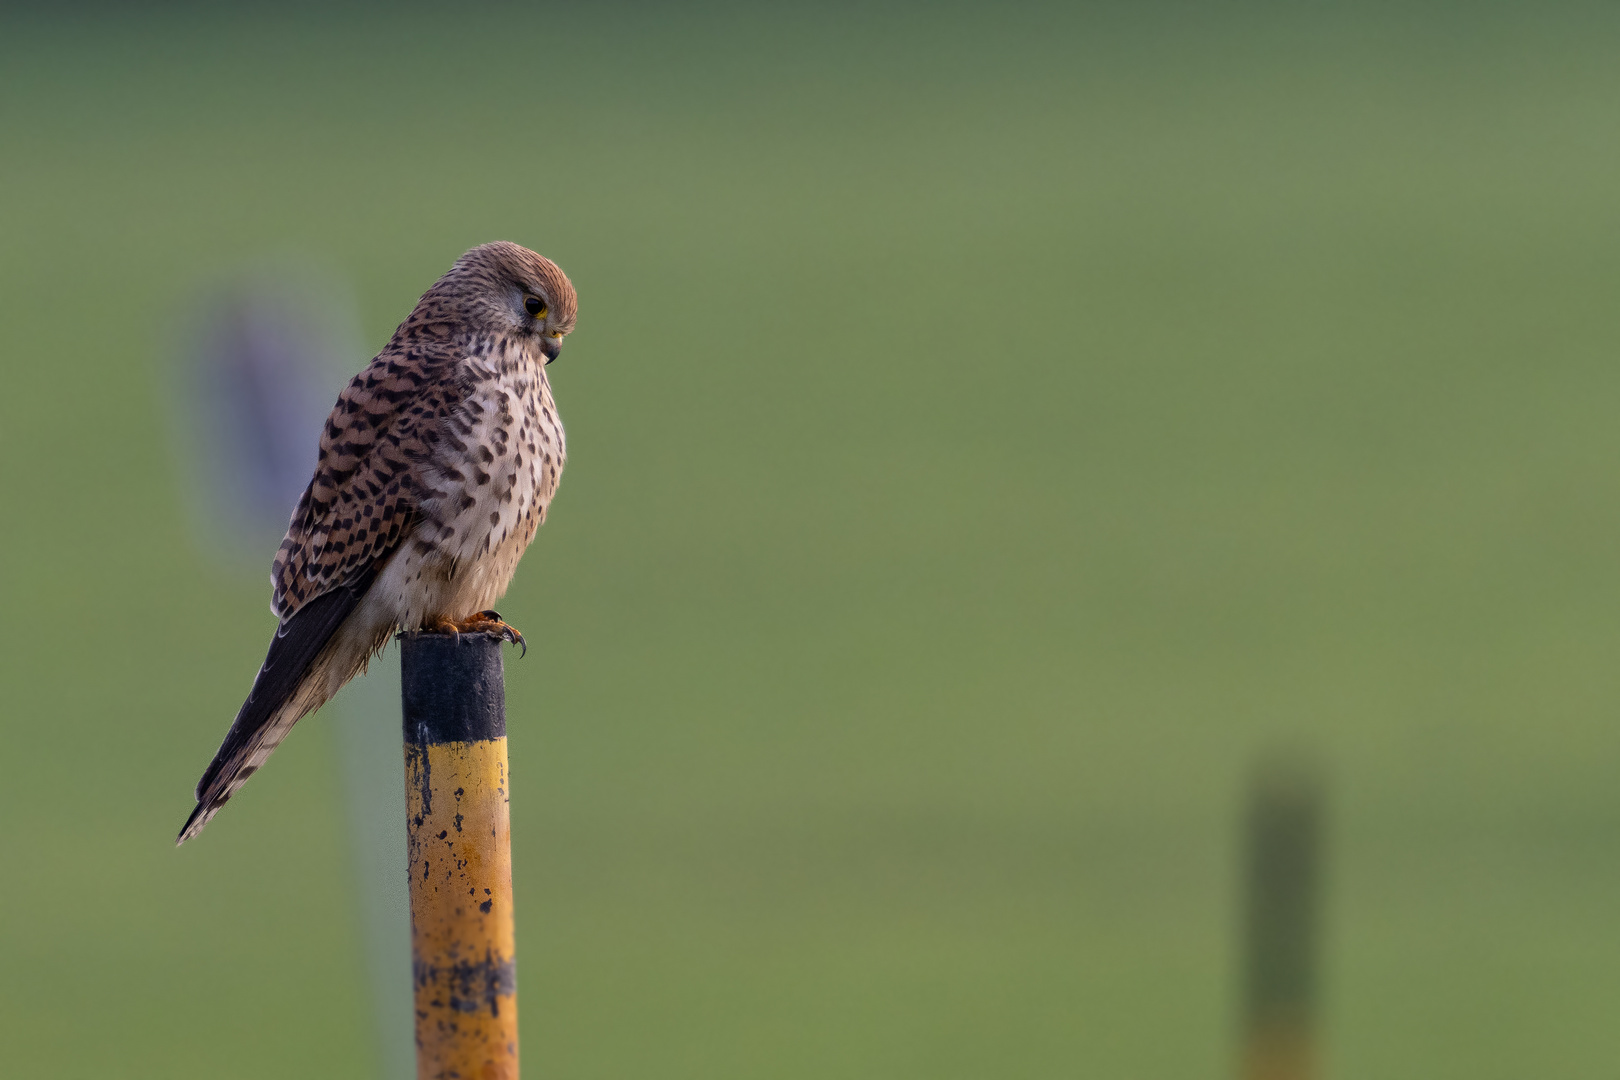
436	468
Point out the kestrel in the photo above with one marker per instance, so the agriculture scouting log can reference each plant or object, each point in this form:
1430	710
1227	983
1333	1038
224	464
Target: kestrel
436	467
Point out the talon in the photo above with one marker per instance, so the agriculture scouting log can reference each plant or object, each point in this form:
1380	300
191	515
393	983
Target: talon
490	622
442	625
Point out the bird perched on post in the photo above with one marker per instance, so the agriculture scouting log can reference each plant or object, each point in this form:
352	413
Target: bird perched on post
436	467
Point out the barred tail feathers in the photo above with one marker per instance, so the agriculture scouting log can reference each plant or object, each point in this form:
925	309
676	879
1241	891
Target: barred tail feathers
313	654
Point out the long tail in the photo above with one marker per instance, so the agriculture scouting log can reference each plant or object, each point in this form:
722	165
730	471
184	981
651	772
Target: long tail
293	682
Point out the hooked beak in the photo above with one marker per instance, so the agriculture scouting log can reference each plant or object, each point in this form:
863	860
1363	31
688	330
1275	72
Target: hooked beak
551	345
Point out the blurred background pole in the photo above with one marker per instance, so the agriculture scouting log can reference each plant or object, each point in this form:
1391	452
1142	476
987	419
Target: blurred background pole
459	848
260	359
1284	840
367	725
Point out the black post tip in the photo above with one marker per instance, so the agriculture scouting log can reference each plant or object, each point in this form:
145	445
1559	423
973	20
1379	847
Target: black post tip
453	688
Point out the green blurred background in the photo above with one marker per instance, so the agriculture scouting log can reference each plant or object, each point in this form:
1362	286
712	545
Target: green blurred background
991	429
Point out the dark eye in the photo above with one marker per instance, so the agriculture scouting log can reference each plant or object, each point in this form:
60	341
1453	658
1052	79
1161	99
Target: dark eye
535	306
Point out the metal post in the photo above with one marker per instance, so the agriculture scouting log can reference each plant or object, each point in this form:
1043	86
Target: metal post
459	843
1284	857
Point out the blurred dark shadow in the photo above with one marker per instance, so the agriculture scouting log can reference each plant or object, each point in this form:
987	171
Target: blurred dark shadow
259	363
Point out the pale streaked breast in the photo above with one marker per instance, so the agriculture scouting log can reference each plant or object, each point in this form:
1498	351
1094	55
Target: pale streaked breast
496	472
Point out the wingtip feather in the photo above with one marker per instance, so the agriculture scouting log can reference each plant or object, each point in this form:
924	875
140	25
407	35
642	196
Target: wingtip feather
200	816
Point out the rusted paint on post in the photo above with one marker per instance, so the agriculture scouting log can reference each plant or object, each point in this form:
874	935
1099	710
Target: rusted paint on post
1281	916
460	848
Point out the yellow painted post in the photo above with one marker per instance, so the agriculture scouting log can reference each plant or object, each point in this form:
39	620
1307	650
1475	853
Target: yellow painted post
459	844
1281	915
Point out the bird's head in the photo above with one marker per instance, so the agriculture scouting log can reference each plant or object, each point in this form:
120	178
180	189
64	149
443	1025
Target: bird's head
504	288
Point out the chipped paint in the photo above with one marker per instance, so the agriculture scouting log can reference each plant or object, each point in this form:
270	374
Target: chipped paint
459	845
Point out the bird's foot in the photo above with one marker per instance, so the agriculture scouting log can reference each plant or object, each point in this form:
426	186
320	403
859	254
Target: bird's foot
490	622
443	625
